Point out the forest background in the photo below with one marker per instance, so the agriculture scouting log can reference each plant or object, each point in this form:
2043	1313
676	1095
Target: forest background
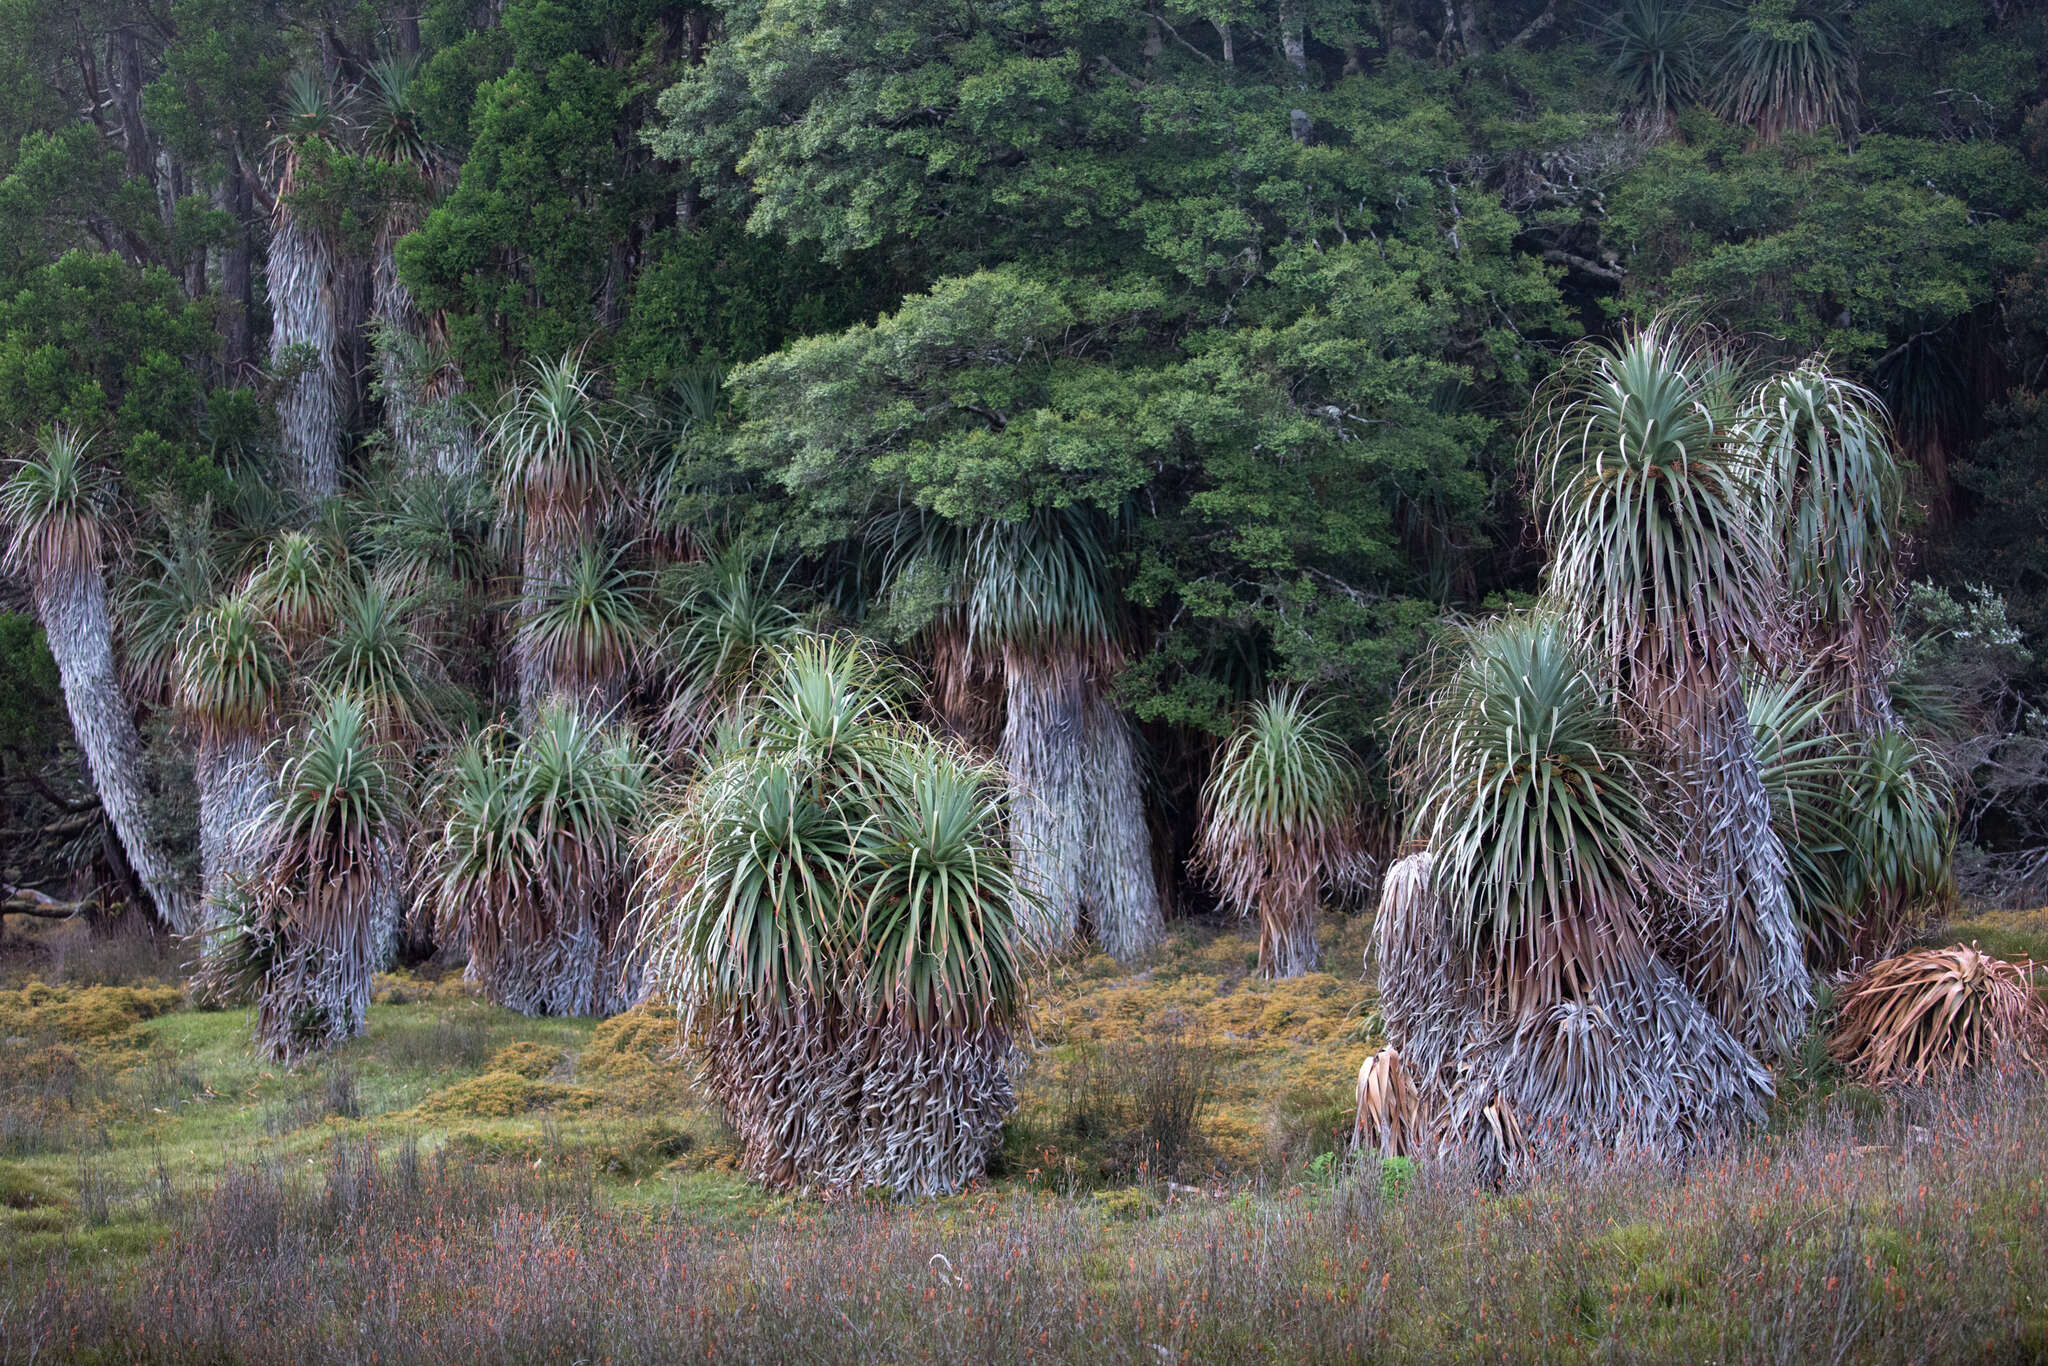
1253	295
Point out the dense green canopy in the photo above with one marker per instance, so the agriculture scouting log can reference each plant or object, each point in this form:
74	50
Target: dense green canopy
1259	293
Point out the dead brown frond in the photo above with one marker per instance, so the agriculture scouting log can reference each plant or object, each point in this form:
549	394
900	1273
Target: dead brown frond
1936	1012
1389	1113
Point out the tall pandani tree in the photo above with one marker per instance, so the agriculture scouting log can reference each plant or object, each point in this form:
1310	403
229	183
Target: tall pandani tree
304	938
1667	560
834	909
725	630
586	629
1831	451
533	863
298	583
58	506
1655	58
302	275
1281	822
1035	596
419	385
553	442
1520	980
1867	815
231	684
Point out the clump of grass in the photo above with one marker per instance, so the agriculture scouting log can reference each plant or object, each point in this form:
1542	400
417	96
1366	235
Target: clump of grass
1137	1105
330	1093
450	1040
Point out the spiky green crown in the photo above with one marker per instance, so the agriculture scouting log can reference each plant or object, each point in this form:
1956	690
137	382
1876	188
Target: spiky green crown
1284	788
833	853
1530	794
231	674
1658	504
55	505
553	441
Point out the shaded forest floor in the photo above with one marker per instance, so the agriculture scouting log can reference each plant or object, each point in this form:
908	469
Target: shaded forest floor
466	1184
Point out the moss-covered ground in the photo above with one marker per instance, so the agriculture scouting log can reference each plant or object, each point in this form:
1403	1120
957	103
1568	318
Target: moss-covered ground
1178	1136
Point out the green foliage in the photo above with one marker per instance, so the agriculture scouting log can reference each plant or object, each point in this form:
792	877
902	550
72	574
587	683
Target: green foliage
1788	70
31	700
832	852
230	668
1655	55
1281	817
57	507
94	343
1534	800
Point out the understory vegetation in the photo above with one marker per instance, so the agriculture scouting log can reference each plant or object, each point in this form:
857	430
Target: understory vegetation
465	1183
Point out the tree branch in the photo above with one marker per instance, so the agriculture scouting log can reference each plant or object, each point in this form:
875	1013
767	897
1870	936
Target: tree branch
1585	266
1536	25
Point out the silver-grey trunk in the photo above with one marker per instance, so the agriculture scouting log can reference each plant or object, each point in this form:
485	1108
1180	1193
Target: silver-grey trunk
73	608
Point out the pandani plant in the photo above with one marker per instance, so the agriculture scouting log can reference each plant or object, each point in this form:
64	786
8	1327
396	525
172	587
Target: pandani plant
1520	976
1667	560
1789	68
303	283
304	936
1281	822
168	583
533	862
230	691
723	632
1830	448
586	629
299	583
1655	58
58	508
835	911
553	443
1035	597
1867	818
418	384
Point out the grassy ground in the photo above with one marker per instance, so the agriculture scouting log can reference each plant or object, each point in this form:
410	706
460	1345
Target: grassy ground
513	1189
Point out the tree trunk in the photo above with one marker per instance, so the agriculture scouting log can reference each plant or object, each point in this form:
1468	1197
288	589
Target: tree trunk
1739	945
234	788
1287	932
543	566
73	608
1293	35
303	346
237	288
1078	829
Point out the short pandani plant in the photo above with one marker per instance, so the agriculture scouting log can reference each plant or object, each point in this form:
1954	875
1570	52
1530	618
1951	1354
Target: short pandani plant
834	909
1281	824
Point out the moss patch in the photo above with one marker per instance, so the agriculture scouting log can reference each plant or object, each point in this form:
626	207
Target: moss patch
633	1057
74	1013
526	1058
500	1095
1285	1053
2004	934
